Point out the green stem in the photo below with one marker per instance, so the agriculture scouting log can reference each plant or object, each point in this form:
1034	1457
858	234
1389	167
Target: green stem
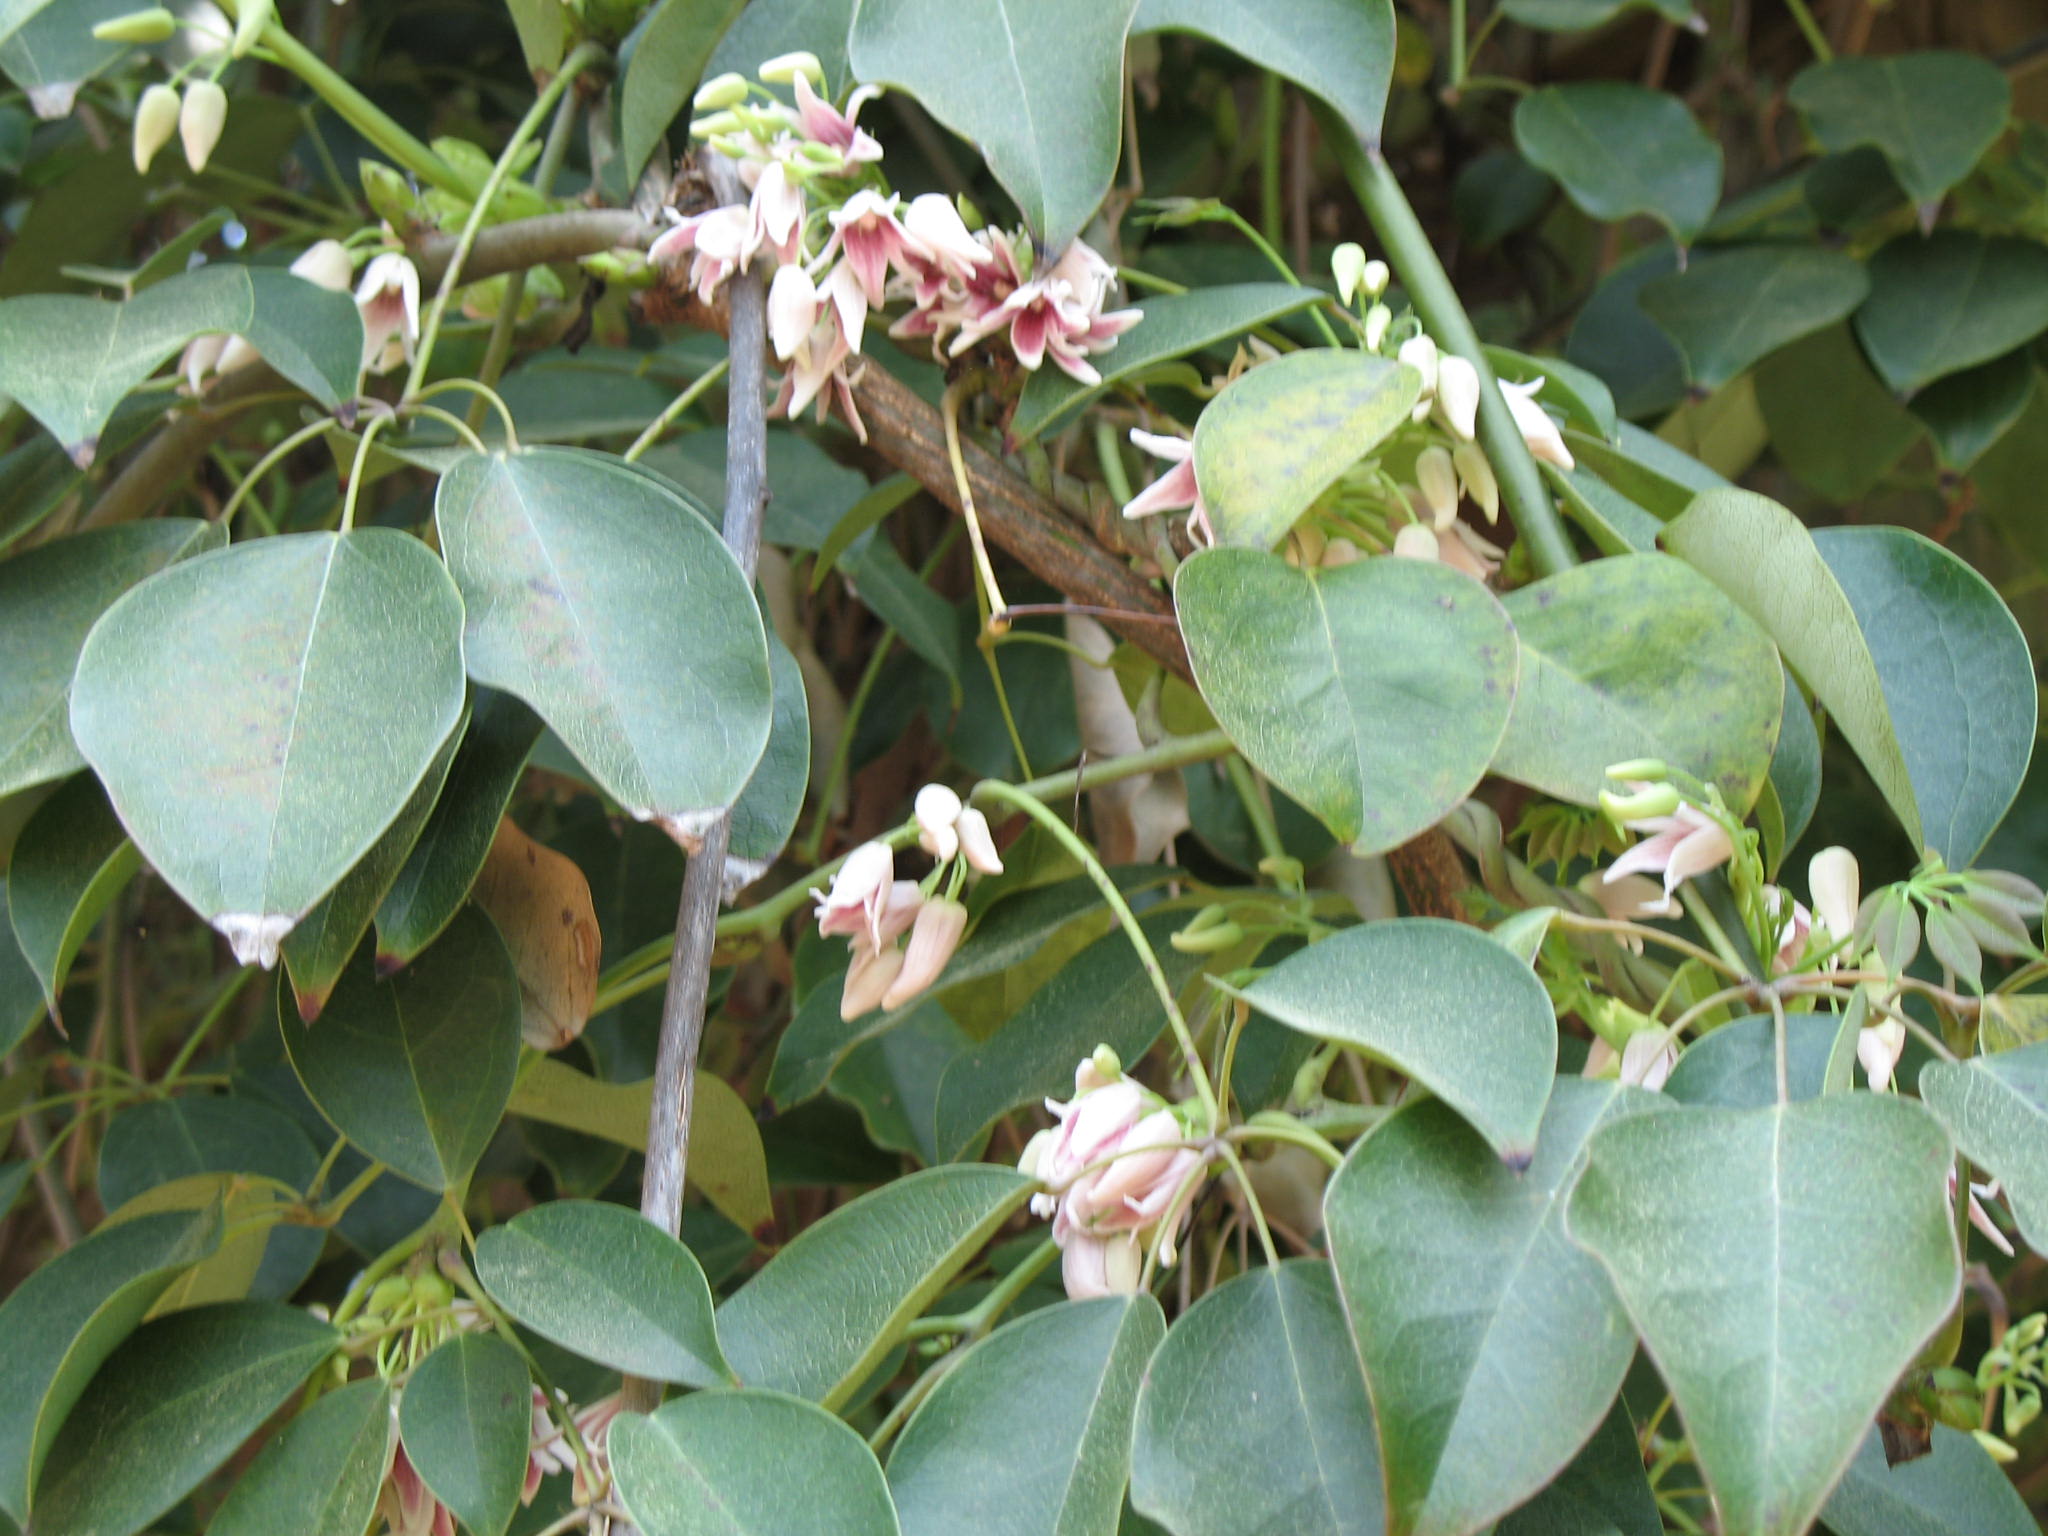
1272	107
1022	799
1256	810
362	114
356	468
200	1030
1815	38
1429	287
331	1211
1293	1132
1458	47
842	749
485	397
1281	265
694	392
1251	1200
450	420
585	55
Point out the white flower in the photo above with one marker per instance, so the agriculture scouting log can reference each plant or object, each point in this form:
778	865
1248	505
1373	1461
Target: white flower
326	264
937	808
1535	425
1835	882
977	845
1457	395
388	298
1437	478
860	892
792	310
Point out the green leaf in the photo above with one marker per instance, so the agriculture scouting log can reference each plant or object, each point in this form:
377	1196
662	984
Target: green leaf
1958	681
1996	1108
171	1405
70	862
570	564
1966	413
50	598
1728	310
1175	325
47	48
1832	424
1029	1434
1602	1493
321	1475
1493	1346
1277	438
465	1419
1736	1066
1101	996
1620	150
318	948
1584	15
445	858
1641	466
1339	50
416	1070
69	361
882	1258
1956	1489
1932	114
331	667
767	809
1834	1258
1035	85
543	27
1639	656
767	29
1438	1001
748	1464
663	60
613	1287
21	994
1253	1419
726	1161
1375	694
1615	339
1944	302
67	1316
1763	557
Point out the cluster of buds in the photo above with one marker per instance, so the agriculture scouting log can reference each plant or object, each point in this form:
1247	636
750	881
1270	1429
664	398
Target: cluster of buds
197	118
1115	1168
843	245
873	909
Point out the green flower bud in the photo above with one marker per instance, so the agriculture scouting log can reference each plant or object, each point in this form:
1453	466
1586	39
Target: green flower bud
1658	800
1640	768
156	119
1107	1063
391	1293
201	117
250	20
154	25
728	90
785	67
389	194
1206	941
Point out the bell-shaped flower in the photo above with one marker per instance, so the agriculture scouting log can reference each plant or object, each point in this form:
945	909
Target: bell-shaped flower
388	299
1686	843
326	264
1835	883
792	310
156	119
868	979
1175	490
937	808
1878	1048
1416	541
940	236
1475	475
1420	353
777	213
1535	424
860	892
977	843
867	230
1091	1267
1457	395
201	117
1437	478
408	1507
719	242
823	123
1057	314
933	939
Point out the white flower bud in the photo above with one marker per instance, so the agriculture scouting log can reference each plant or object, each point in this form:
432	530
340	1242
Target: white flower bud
936	809
1457	395
1347	266
1377	319
201	118
1415	542
1835	881
870	976
1476	474
1438	481
156	119
792	310
1376	278
785	67
976	843
933	939
727	90
326	263
1535	425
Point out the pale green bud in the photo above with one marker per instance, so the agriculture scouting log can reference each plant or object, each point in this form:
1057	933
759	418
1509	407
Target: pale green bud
715	124
201	118
1376	278
728	90
389	194
154	25
1658	800
1377	319
785	67
1107	1063
250	20
1640	768
156	119
1347	265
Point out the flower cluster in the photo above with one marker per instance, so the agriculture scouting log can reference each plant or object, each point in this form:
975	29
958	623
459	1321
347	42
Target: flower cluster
843	245
873	909
549	1451
1112	1169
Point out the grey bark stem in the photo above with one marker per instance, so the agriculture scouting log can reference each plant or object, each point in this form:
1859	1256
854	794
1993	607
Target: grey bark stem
689	977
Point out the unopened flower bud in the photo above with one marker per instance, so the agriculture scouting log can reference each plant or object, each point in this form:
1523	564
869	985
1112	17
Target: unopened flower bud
727	90
250	20
1376	278
326	263
1415	542
1341	552
937	808
1108	1065
872	974
714	125
933	939
1438	480
1377	319
792	309
977	845
1420	353
1651	800
390	1293
1645	768
1347	266
1835	882
1537	429
154	25
785	67
1476	473
388	193
1206	941
200	121
1457	395
156	119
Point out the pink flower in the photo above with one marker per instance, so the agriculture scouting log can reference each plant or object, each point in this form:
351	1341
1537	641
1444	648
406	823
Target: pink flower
1057	314
388	298
404	1501
937	810
860	892
823	123
1101	1266
777	214
718	241
1793	927
1686	843
935	226
934	936
1174	490
867	230
977	845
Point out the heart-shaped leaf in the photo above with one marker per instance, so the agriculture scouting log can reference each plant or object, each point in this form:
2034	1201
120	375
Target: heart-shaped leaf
1956	1489
662	62
1966	413
1728	310
1375	694
1944	302
169	1406
882	1258
1254	1416
1996	1108
571	566
50	599
1031	1430
1833	424
1274	440
1835	1260
465	1418
416	1069
1604	1492
1933	114
1620	150
600	1280
1492	1344
320	1476
1175	324
1438	1001
70	361
331	667
1340	50
71	860
748	1464
1639	656
1036	85
65	1318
